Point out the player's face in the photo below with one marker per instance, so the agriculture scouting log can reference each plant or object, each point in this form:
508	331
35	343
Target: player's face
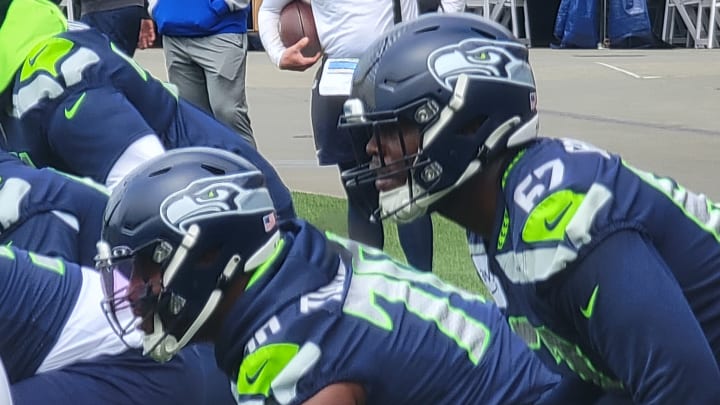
144	291
390	150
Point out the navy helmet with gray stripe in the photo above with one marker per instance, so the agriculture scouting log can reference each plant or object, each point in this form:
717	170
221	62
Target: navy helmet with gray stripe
201	217
463	81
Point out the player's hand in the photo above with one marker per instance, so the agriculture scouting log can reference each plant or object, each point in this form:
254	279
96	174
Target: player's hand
293	59
146	38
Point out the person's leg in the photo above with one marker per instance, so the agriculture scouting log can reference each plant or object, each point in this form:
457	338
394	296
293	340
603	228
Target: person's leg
416	239
121	25
223	58
184	73
191	377
361	201
334	147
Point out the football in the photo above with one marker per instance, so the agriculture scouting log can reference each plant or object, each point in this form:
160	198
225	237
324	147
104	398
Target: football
296	22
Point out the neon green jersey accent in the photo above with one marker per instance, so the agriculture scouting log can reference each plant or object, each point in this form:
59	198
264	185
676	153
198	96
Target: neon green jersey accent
704	215
266	265
83	180
7	252
24	157
131	61
48	263
588	310
562	351
45	56
548	220
506	218
260	368
27	23
69	114
374	274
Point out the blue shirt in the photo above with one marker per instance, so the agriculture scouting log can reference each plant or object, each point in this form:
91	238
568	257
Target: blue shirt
336	311
610	272
191	18
81	102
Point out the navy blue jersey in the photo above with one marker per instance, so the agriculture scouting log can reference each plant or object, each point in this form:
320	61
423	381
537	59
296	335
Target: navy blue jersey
337	311
190	378
81	102
41	300
612	271
37	295
45	211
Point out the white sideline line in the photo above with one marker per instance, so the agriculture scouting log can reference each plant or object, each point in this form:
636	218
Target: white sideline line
627	72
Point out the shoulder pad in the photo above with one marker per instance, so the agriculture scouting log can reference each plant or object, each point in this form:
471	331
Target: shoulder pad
554	199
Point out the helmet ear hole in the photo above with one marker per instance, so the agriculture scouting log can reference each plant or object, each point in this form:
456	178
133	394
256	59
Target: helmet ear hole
159	172
214	170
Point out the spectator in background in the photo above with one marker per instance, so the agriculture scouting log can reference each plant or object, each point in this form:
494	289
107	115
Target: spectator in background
118	19
205	47
345	29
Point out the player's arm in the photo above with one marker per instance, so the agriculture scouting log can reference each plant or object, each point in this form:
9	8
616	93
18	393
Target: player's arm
285	58
626	302
344	393
98	133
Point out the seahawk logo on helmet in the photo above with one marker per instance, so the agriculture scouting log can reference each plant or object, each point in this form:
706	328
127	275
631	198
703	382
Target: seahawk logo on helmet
213	197
478	58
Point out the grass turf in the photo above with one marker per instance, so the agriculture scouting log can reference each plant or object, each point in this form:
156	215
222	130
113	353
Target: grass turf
451	260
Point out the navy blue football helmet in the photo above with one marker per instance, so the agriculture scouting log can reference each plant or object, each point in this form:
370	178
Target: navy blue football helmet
463	81
202	216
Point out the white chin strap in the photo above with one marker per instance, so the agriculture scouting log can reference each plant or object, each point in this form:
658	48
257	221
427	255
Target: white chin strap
160	344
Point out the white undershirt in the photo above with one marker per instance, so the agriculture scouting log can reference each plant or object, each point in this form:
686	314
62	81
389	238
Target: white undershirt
345	27
5	397
137	153
87	333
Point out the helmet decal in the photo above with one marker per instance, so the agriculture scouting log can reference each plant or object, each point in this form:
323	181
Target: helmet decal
213	197
478	58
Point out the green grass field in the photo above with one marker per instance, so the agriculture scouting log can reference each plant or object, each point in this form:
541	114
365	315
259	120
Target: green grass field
451	261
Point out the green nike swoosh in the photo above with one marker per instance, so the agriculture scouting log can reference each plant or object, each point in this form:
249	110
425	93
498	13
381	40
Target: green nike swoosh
588	311
252	378
69	114
32	60
551	224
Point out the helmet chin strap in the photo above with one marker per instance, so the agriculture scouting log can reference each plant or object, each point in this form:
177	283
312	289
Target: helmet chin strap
457	101
160	344
153	342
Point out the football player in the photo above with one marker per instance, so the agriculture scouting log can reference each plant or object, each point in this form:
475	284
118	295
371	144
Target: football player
88	109
612	271
298	316
57	346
